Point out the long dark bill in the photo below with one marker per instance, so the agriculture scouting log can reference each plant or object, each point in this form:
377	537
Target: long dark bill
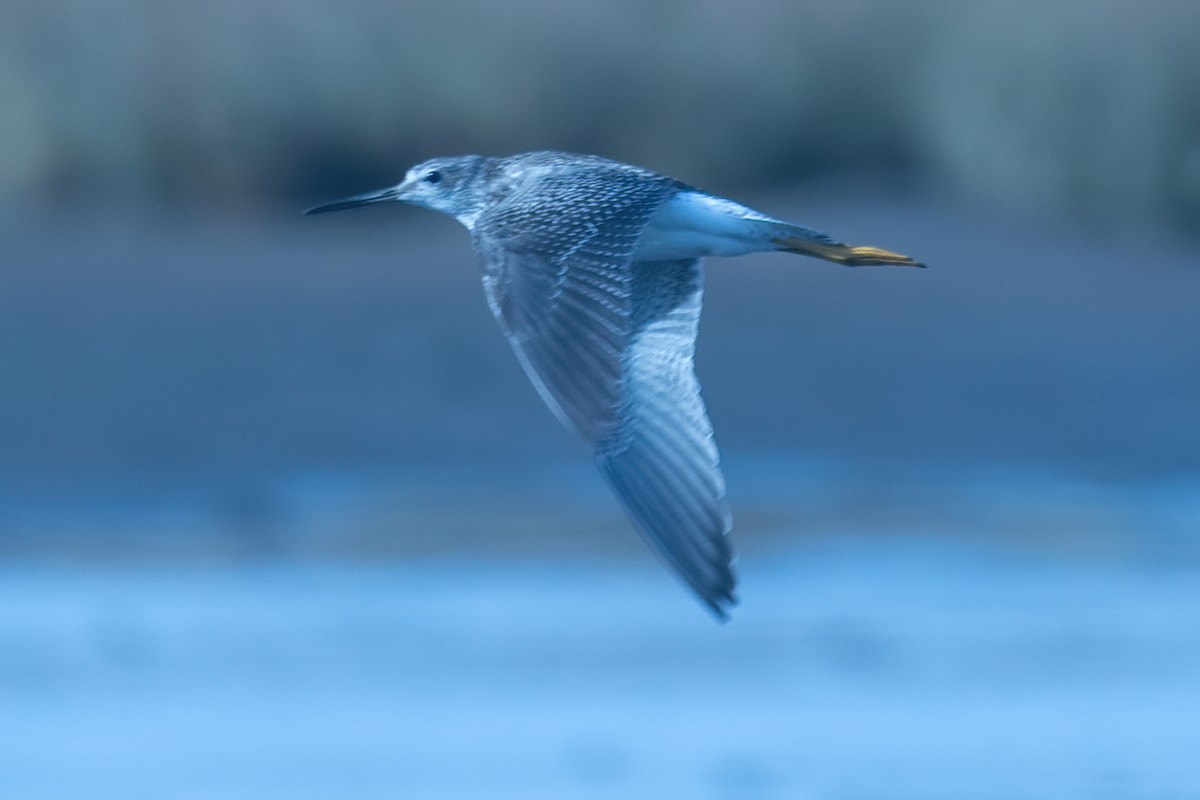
355	201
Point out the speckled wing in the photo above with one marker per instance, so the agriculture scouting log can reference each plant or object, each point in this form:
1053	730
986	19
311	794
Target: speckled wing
608	343
661	457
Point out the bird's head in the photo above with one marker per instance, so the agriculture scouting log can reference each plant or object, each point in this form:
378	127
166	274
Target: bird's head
449	185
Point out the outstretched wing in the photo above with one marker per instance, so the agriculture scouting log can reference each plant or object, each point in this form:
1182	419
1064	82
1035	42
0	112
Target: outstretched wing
568	321
661	456
609	343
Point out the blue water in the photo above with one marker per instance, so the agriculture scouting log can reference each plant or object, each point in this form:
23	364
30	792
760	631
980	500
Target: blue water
855	668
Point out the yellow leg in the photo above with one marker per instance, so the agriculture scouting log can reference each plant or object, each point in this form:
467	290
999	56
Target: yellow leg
848	255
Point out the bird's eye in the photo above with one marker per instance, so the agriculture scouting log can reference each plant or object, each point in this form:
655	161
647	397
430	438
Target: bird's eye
433	176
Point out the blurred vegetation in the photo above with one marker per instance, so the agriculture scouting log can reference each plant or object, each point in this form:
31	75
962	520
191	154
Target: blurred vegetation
1089	107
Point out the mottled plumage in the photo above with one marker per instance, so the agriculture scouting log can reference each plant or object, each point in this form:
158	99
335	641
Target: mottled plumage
592	269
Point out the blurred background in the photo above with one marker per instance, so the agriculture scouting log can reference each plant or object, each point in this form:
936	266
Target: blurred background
281	517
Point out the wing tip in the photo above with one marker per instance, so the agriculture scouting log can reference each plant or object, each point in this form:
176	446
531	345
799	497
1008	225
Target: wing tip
720	596
721	604
708	575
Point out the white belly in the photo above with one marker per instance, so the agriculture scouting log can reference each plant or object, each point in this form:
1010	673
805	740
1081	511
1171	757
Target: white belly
694	225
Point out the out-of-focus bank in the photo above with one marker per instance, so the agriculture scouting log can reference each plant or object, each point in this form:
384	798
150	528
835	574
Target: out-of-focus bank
1083	108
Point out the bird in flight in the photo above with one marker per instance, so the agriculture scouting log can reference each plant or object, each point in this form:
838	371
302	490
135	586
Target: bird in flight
593	270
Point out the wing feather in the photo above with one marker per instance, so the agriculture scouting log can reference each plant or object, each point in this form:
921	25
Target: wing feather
608	342
663	459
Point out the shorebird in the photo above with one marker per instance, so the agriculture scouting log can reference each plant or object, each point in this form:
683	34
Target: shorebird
593	270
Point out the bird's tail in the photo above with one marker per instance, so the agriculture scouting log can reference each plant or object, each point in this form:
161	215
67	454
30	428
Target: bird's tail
811	243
